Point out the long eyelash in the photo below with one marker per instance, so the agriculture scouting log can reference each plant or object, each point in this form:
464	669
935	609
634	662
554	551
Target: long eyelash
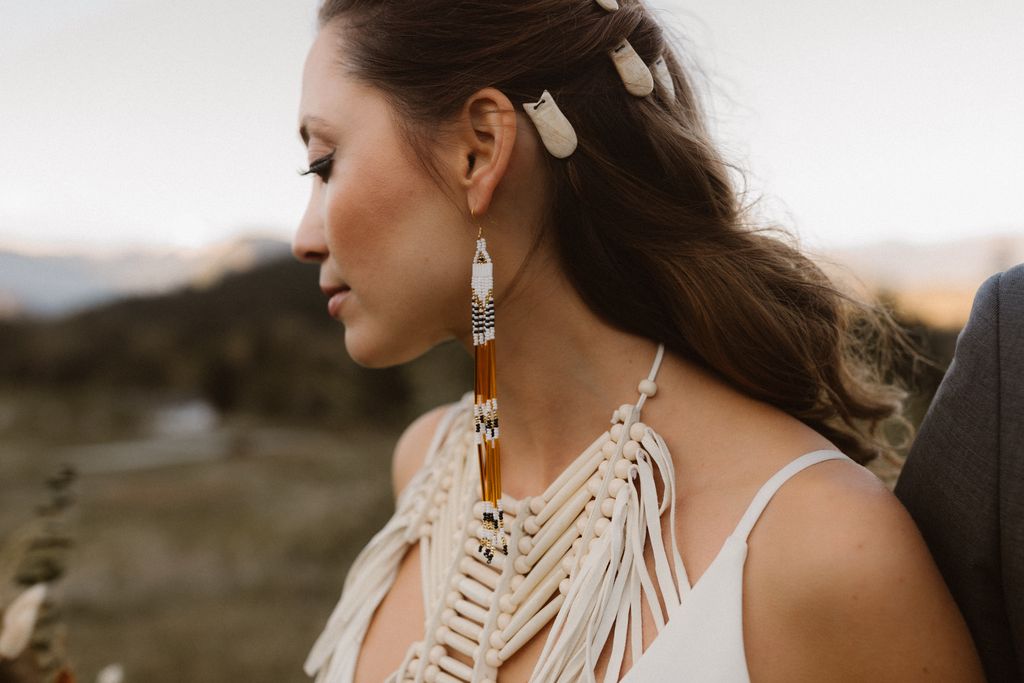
318	165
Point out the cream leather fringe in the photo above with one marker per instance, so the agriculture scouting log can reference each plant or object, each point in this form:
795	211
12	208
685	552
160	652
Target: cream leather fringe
575	557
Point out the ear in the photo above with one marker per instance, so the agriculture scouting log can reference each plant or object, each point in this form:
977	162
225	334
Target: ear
486	136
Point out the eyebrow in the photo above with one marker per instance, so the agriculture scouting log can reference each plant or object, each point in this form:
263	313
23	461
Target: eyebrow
304	127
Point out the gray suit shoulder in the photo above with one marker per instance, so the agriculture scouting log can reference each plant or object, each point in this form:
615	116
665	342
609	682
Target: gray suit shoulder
1011	307
963	476
1011	452
1013	278
961	424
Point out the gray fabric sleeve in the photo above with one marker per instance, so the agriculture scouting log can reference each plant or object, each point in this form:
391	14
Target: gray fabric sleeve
950	483
1011	451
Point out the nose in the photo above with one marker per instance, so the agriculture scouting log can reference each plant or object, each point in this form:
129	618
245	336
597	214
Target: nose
308	244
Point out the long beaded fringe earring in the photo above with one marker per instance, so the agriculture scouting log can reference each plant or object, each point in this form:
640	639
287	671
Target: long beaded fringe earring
485	407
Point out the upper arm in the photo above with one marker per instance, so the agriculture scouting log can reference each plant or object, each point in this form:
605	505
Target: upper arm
867	601
412	445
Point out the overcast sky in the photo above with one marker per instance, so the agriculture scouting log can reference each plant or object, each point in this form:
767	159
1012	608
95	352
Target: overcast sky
127	122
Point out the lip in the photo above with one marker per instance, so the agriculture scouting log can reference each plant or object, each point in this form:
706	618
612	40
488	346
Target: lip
332	288
337	298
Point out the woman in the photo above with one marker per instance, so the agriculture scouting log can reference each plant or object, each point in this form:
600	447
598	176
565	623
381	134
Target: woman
566	135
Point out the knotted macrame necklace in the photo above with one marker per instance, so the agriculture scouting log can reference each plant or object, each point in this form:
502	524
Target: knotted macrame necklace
575	560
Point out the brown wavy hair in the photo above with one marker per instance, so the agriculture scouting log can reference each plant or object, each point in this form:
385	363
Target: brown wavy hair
644	216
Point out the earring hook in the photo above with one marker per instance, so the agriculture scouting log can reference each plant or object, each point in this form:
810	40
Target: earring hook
480	228
479	222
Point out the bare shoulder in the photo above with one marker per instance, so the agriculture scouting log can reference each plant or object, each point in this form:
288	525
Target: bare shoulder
411	447
850	581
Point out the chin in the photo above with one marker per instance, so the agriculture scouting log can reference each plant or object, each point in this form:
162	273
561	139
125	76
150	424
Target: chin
383	351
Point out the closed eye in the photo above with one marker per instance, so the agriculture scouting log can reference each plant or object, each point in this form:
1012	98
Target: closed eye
321	167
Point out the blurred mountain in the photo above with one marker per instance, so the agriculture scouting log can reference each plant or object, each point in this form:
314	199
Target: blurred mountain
255	341
48	285
934	282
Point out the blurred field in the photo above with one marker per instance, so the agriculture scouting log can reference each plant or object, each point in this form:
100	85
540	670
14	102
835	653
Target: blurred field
212	570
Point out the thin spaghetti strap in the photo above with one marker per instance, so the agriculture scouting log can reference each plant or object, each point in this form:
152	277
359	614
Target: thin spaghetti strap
768	489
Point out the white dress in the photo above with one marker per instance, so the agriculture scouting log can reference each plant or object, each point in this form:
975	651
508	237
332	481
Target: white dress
604	503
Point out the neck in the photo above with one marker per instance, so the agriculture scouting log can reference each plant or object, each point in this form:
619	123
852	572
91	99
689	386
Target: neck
560	372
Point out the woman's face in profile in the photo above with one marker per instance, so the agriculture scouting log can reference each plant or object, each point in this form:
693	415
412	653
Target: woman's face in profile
375	220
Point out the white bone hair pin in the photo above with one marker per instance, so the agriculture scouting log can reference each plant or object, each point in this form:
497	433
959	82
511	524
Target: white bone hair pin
610	5
664	78
635	74
555	131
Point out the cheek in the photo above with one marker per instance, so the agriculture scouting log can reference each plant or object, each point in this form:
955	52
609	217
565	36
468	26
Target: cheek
393	234
361	203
